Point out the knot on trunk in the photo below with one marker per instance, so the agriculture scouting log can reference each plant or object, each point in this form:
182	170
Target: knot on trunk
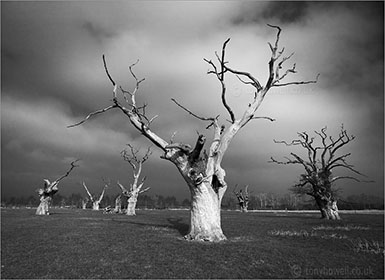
195	175
127	194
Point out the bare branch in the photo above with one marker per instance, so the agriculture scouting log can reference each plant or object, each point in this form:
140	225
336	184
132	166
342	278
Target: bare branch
144	190
138	120
106	69
194	155
88	192
344	177
93	114
298	83
49	186
221	77
193	114
254	82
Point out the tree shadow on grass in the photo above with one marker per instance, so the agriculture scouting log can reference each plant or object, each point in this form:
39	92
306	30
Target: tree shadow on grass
177	224
180	226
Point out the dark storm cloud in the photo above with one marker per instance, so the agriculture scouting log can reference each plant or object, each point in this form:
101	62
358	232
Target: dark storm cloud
276	12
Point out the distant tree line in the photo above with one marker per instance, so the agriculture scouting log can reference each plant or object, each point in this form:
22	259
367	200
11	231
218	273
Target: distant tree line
75	201
260	201
273	201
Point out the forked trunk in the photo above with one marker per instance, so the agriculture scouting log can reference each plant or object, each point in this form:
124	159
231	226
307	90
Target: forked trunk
132	204
244	208
42	209
84	204
328	208
95	205
205	215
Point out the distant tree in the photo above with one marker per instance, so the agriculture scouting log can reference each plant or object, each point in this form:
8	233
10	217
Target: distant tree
243	198
136	186
262	197
32	200
289	201
272	200
47	192
171	202
159	202
146	202
94	199
186	203
202	171
253	202
321	161
74	200
84	202
118	204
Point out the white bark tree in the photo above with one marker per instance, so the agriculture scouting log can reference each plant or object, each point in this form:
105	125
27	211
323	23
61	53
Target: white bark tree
47	192
243	198
94	199
84	202
118	204
319	164
136	187
203	172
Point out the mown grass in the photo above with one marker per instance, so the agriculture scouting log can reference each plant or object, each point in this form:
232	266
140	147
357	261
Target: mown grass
88	244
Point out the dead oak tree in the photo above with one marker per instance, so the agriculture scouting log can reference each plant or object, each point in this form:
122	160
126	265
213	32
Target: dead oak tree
94	199
243	198
136	187
202	171
47	192
319	164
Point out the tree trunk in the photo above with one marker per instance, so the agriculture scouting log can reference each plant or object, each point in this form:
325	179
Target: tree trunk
42	209
118	204
132	204
205	215
84	204
328	208
95	205
244	208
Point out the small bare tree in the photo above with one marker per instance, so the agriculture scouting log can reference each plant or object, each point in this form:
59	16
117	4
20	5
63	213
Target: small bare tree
243	198
46	193
136	187
118	204
95	200
202	171
84	202
321	161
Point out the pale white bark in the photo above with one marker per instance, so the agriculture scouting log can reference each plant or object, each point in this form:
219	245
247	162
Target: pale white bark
84	203
131	206
95	202
42	209
118	204
136	186
205	215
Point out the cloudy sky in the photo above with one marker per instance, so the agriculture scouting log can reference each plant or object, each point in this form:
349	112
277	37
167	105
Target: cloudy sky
53	76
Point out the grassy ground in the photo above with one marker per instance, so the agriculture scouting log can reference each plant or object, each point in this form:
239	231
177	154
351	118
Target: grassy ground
88	244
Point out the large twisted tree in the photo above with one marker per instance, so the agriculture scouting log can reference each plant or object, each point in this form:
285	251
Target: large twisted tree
320	163
50	188
202	170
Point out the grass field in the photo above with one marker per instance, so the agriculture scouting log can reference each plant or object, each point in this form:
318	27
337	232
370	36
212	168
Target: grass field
89	244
